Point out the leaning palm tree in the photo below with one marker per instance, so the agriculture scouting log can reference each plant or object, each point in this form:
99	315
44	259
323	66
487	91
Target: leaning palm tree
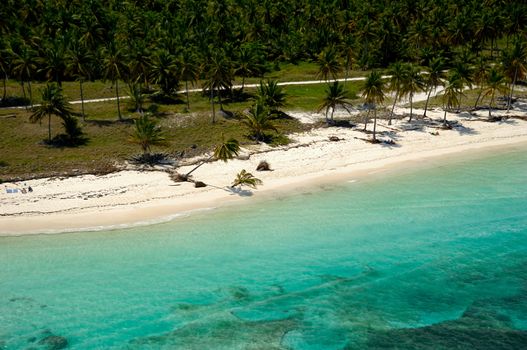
328	64
397	72
53	103
373	92
271	95
258	120
225	150
335	96
495	82
413	83
434	78
243	178
451	94
146	133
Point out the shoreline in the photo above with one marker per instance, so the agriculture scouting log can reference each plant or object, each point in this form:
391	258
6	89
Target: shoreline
132	198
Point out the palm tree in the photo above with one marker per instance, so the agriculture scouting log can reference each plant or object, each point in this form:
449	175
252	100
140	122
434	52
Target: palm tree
227	149
464	72
53	103
451	94
349	56
164	71
147	133
328	64
243	178
54	61
79	65
495	82
5	62
271	95
397	74
258	121
373	92
434	78
515	64
139	61
136	96
218	75
335	96
189	70
481	71
413	83
113	65
247	64
24	65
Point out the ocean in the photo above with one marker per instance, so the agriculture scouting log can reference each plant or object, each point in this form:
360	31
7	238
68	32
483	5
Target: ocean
433	257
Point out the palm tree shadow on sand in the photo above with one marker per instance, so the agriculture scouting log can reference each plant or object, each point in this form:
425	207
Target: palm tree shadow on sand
239	191
234	190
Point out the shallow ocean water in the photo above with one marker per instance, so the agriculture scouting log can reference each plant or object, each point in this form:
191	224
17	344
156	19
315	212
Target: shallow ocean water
434	258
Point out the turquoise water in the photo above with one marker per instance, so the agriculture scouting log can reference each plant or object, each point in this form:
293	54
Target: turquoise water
429	259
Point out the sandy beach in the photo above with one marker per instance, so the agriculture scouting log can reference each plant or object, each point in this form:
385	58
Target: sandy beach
140	197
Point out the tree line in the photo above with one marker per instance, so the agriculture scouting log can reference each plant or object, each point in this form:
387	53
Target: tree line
167	42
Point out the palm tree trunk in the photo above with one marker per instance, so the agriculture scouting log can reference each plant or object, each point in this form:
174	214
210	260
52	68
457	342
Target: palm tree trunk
411	107
30	94
23	91
509	102
444	118
479	96
427	99
490	106
82	101
197	166
393	108
332	111
49	127
243	83
118	104
5	88
374	123
219	98
186	91
212	103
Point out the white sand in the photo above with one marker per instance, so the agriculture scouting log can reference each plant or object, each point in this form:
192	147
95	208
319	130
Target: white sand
132	197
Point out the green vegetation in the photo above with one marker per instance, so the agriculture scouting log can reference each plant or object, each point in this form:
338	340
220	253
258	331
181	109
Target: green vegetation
336	96
243	178
258	120
92	49
224	150
373	93
146	133
53	103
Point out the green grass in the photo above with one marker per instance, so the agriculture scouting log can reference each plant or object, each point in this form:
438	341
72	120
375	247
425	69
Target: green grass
302	71
23	155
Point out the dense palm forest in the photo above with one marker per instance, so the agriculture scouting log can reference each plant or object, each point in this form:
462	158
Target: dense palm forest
167	42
